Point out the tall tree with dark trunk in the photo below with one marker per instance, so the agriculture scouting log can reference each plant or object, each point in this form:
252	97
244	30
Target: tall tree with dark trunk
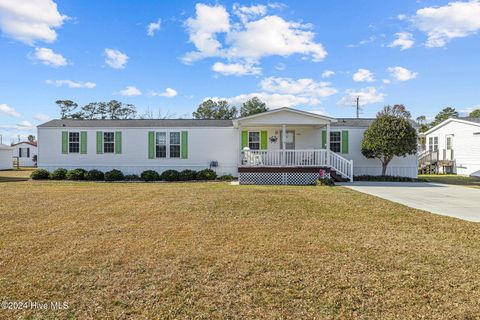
443	115
252	106
218	110
390	135
67	108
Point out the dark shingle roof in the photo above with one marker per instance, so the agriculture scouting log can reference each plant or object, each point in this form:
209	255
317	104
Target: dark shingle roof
353	122
136	123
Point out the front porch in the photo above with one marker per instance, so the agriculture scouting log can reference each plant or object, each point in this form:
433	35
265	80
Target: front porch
287	146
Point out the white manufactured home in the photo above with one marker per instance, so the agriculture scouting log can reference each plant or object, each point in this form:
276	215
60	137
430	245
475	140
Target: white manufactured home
453	146
24	152
281	146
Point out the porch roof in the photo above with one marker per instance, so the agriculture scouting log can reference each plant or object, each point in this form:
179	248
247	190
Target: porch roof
284	116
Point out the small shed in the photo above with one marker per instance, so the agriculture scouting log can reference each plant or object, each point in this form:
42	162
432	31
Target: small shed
6	162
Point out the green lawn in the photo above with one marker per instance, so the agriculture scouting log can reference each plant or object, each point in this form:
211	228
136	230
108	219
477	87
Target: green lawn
212	250
452	179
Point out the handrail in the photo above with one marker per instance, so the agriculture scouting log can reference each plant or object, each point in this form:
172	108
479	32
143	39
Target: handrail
298	158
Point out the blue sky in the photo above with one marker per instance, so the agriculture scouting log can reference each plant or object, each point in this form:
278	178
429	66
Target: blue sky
168	56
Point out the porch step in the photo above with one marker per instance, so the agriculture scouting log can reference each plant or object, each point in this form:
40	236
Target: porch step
337	177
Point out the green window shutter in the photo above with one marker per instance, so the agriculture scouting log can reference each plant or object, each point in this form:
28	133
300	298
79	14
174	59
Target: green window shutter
263	140
184	144
118	142
244	139
324	139
83	142
99	142
64	142
151	145
344	141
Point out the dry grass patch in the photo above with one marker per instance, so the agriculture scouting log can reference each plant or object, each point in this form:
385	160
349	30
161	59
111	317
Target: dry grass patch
16	175
211	250
452	179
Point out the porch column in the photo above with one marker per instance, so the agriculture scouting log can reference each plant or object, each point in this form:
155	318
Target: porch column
284	142
239	141
328	144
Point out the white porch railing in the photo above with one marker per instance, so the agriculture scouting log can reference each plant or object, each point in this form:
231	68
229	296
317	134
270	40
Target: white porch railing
297	158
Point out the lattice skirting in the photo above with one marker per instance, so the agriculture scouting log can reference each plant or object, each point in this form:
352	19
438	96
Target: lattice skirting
277	178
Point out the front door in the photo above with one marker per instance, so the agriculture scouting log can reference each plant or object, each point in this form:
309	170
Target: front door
289	140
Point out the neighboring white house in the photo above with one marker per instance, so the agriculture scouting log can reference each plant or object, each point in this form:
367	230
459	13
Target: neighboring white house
454	145
25	151
284	146
5	157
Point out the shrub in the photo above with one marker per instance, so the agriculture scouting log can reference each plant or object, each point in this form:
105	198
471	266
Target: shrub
59	174
95	175
40	174
114	175
325	182
76	174
206	174
386	178
150	175
132	177
226	177
170	175
187	175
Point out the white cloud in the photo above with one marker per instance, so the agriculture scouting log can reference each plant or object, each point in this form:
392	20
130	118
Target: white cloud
130	91
363	75
50	58
168	93
273	101
248	40
272	35
209	21
328	73
9	111
402	17
302	87
22	126
286	92
457	19
154	27
247	13
280	66
386	81
404	41
236	69
402	74
368	95
115	58
42	117
30	21
72	84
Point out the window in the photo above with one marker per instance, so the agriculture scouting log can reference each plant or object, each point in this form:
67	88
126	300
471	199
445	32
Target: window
433	144
109	142
449	143
174	144
168	144
254	140
335	141
74	142
161	145
23	152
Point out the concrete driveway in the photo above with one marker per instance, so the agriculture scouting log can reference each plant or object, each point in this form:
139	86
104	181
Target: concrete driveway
449	200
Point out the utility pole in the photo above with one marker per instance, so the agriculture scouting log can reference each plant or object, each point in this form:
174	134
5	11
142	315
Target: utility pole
358	106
